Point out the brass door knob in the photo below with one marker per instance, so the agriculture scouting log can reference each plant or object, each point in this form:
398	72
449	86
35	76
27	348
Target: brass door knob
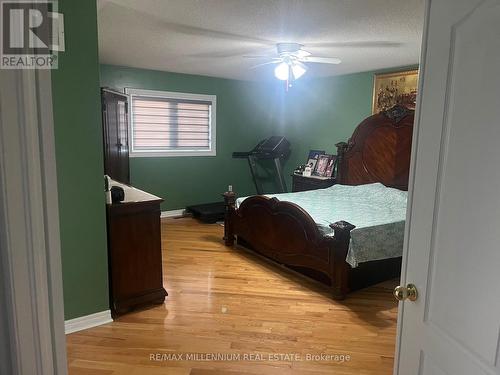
406	292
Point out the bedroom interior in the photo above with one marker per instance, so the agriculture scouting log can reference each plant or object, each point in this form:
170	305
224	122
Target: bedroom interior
319	110
144	224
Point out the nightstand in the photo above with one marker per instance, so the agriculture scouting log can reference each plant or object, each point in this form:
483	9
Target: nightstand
303	183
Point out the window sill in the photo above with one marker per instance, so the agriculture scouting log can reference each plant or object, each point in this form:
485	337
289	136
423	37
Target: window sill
171	154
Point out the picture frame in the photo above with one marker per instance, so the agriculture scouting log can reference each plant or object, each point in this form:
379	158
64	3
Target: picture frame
313	157
394	88
322	165
330	169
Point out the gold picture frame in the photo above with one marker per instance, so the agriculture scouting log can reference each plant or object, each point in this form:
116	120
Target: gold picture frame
394	88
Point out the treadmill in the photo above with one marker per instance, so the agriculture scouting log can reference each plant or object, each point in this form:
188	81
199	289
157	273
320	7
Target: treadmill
276	148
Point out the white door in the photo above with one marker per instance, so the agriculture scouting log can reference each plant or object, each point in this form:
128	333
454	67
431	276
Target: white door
453	232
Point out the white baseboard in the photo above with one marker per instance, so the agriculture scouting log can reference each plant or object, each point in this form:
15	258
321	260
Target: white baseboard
173	213
87	321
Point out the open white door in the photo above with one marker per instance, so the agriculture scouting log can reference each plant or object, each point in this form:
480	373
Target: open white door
453	235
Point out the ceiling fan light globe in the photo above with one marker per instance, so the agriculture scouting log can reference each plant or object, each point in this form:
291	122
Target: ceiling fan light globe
298	70
282	71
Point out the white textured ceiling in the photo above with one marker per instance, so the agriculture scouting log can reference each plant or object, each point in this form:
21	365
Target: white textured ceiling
210	37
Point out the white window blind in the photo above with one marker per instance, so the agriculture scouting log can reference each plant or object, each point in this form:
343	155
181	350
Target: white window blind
171	124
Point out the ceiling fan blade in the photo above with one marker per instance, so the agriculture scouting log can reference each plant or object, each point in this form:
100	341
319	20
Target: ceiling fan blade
270	57
236	52
301	54
356	44
215	54
180	28
266	63
215	34
321	60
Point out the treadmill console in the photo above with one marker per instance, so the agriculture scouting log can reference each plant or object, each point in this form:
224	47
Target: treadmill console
272	147
269	148
276	148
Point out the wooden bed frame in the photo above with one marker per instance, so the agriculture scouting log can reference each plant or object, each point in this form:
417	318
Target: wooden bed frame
378	151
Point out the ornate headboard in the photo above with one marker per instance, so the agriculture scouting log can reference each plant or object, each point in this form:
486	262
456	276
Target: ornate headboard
379	150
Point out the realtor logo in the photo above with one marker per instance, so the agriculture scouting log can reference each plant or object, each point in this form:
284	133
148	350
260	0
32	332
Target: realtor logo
31	34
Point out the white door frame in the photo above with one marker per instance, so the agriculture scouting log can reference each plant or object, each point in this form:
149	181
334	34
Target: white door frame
32	339
411	181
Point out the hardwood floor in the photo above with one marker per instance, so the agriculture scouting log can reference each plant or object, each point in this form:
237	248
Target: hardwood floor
231	302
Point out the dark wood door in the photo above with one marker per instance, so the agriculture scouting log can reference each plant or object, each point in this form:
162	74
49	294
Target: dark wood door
115	135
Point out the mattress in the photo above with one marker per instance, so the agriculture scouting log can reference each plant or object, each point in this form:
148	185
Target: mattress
377	211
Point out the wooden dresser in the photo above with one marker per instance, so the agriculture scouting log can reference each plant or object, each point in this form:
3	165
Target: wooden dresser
302	183
134	252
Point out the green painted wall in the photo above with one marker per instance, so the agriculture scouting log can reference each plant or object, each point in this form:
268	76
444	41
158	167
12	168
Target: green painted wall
76	102
313	114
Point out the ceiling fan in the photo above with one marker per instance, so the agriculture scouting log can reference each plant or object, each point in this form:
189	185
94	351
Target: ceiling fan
292	61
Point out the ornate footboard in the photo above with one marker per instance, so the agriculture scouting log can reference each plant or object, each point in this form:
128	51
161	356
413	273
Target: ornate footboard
285	233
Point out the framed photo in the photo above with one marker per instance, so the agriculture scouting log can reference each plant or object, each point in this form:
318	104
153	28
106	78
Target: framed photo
313	157
390	89
331	166
322	165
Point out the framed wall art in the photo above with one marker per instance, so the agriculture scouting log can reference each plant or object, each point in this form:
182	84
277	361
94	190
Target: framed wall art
390	89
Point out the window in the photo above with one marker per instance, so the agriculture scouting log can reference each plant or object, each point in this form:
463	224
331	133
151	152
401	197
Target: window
171	123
